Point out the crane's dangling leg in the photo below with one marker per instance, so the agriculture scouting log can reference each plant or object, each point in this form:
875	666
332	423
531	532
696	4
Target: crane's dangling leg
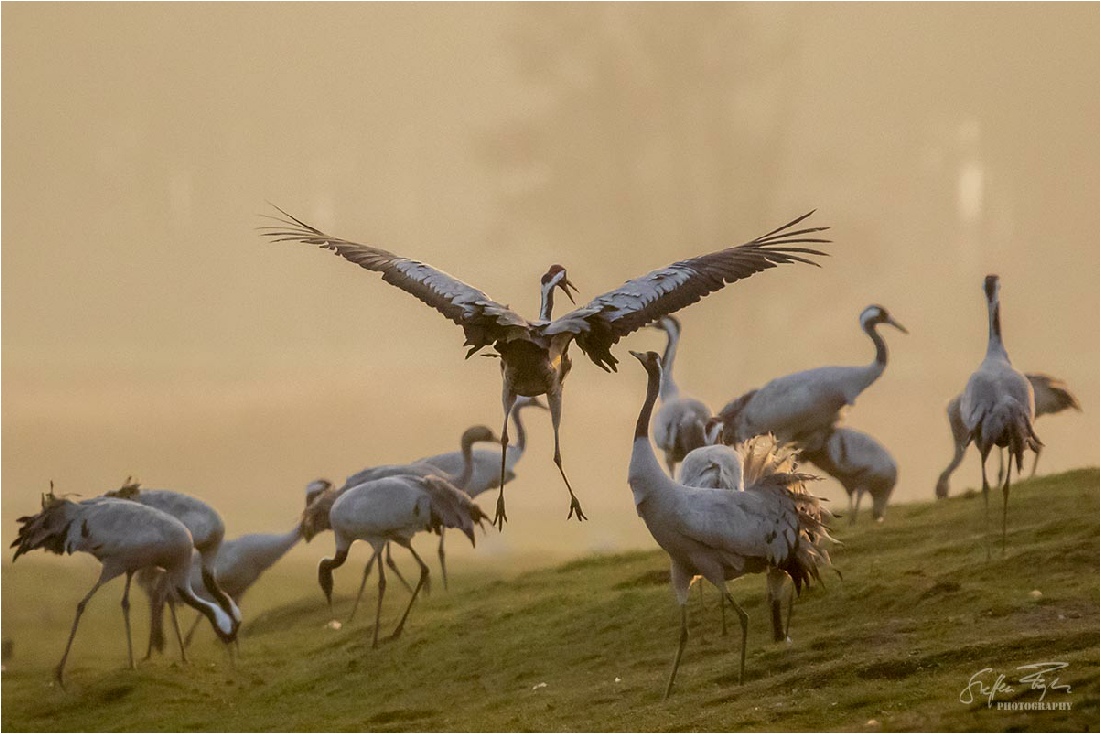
1001	465
422	582
722	608
683	640
126	618
157	598
104	577
744	619
381	593
179	637
1035	461
554	400
961	438
508	399
856	507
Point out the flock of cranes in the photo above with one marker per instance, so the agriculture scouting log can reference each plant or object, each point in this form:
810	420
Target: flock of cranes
738	505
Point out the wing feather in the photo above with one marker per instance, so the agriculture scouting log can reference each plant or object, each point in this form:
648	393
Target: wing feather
601	323
483	320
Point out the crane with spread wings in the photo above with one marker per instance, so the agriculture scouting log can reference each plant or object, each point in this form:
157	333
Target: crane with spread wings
533	354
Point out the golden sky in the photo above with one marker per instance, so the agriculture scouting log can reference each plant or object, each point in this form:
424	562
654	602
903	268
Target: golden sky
148	330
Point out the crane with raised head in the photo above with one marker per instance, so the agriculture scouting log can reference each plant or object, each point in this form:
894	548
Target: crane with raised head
803	406
534	355
681	421
997	406
719	534
125	537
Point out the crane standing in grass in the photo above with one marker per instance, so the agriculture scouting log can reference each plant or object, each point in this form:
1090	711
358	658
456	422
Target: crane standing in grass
1051	396
861	464
391	509
207	530
680	424
997	405
804	406
718	534
534	355
125	537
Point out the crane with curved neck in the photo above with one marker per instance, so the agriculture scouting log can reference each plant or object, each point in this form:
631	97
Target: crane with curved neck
679	426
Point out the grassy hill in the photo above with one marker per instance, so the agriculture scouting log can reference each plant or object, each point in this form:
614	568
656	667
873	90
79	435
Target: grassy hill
587	645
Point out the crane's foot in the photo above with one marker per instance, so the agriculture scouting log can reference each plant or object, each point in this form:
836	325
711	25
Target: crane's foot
575	509
500	518
59	677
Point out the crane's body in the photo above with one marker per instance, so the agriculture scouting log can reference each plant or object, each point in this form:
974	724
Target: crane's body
997	406
207	531
861	464
721	534
393	509
803	407
125	537
680	423
1052	395
534	355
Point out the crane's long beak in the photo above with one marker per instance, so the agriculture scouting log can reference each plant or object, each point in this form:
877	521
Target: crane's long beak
566	285
897	325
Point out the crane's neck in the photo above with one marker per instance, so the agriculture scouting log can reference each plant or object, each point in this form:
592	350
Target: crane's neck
994	345
546	301
467	472
219	619
645	474
875	369
669	389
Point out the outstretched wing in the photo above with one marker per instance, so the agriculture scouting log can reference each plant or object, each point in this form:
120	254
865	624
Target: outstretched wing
483	320
601	323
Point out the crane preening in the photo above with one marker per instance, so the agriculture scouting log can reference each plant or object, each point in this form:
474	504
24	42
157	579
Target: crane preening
534	354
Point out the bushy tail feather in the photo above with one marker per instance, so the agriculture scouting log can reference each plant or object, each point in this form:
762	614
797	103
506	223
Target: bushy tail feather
451	507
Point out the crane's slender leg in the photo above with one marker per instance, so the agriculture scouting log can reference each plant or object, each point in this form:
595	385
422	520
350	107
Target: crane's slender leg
104	577
700	585
1005	500
1001	465
179	637
191	632
126	618
774	582
422	582
156	618
443	564
381	593
508	399
680	650
984	452
852	510
722	608
363	583
397	572
554	400
1035	461
744	619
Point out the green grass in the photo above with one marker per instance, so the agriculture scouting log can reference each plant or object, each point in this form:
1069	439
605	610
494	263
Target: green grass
889	647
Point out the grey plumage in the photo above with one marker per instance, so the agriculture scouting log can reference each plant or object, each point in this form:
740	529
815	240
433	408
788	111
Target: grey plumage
125	537
861	464
804	406
680	423
394	509
719	534
207	530
1051	395
997	406
534	355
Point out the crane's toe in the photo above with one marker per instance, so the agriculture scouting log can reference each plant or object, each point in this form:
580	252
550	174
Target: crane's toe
575	509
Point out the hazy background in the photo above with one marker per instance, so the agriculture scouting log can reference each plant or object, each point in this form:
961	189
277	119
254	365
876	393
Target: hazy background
148	330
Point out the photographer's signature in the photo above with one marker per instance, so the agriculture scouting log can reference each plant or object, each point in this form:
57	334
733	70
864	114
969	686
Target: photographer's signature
987	683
